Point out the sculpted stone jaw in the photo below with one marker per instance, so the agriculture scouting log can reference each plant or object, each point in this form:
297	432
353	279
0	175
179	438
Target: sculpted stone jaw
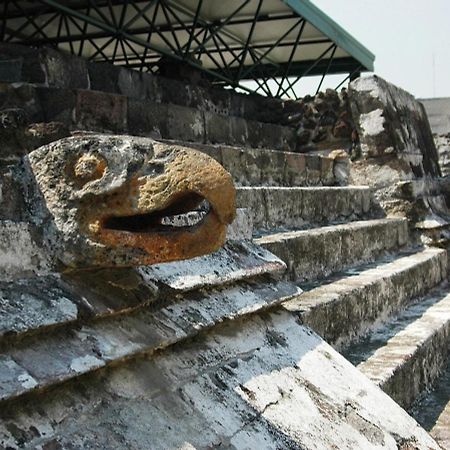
173	218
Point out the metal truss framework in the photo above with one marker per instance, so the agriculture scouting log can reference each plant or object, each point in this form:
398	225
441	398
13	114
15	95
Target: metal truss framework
137	34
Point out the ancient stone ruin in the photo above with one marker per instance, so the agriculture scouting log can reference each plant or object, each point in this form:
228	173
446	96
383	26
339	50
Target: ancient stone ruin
186	267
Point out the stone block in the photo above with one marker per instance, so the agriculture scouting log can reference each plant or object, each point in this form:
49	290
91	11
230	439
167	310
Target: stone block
58	105
311	254
137	85
101	111
218	129
63	70
147	118
242	227
212	99
239	131
234	261
340	311
166	121
268	135
172	91
326	171
23	97
104	77
185	124
295	169
274	208
19	63
390	121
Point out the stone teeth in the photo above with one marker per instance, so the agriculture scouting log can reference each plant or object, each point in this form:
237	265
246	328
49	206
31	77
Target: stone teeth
184	220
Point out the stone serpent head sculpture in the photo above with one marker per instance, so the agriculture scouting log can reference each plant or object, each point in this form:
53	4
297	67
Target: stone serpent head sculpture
118	201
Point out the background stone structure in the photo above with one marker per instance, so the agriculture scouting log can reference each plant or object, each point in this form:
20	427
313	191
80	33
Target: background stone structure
239	348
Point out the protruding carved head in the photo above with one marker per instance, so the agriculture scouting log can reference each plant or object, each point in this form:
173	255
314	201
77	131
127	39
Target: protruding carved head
109	201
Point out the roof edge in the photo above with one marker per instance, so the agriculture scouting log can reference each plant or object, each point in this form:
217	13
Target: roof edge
330	28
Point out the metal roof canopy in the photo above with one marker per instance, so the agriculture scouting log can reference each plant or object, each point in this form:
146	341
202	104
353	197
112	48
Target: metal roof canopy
229	40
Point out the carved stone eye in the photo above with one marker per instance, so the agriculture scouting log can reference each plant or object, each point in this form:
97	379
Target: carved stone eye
89	167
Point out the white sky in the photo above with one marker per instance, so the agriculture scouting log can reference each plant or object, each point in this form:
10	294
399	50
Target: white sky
404	35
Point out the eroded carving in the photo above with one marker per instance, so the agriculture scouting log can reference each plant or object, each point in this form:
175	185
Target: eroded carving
105	201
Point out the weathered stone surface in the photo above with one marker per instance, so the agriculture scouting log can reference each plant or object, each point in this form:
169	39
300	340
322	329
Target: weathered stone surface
443	147
310	254
407	354
65	353
242	227
19	106
20	255
274	208
270	383
51	68
58	105
99	111
44	65
432	411
33	303
322	122
438	112
344	309
101	200
265	167
12	203
233	262
391	122
20	63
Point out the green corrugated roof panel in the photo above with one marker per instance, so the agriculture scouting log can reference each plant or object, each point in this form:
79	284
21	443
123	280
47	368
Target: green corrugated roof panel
334	31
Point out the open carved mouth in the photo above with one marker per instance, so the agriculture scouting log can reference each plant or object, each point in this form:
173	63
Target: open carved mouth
187	211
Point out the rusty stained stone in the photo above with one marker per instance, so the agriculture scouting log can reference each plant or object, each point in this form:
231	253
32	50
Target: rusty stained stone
110	201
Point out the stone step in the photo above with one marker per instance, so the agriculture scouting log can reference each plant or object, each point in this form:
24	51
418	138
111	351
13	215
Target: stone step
88	110
405	355
319	252
265	167
348	306
432	411
266	382
297	207
32	363
36	304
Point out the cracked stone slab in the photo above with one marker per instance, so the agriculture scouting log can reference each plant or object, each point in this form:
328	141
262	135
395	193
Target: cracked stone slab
266	382
33	304
13	377
66	353
235	261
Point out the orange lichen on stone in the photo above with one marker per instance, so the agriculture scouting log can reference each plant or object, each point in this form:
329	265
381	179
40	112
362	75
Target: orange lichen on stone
123	201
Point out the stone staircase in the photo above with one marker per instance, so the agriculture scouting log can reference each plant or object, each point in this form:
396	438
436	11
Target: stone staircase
220	345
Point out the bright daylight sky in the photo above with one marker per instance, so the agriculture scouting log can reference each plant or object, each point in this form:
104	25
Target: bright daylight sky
404	35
